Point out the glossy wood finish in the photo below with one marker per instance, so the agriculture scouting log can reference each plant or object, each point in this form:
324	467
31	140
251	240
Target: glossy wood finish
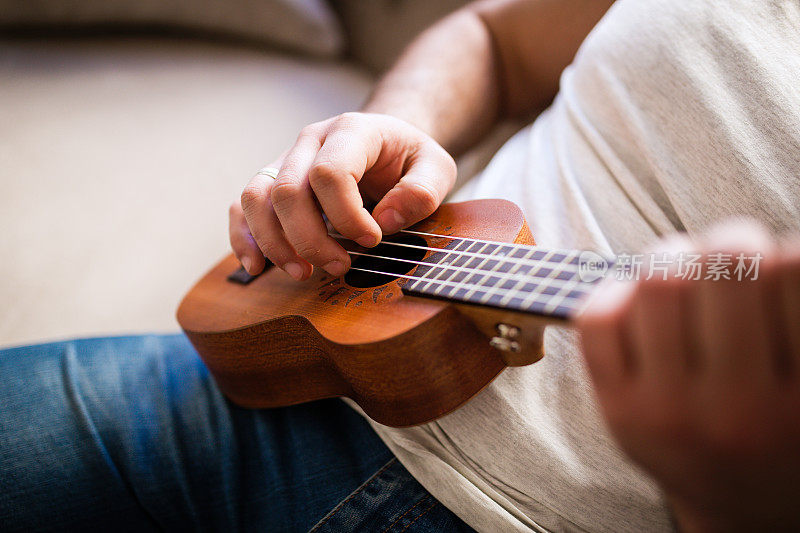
404	359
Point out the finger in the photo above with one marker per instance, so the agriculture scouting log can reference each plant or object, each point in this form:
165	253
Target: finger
243	244
657	332
265	230
602	327
334	175
732	331
297	210
658	326
430	176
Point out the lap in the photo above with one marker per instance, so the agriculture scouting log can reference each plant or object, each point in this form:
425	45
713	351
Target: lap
132	433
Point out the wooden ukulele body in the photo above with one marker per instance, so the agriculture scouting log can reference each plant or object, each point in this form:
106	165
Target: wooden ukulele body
404	359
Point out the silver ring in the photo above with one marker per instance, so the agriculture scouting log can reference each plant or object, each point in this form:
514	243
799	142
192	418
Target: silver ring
270	172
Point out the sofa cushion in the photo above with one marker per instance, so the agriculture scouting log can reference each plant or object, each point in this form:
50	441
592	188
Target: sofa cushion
303	25
378	30
118	161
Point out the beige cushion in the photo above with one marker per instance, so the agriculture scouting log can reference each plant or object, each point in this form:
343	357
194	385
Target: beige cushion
304	25
118	160
378	30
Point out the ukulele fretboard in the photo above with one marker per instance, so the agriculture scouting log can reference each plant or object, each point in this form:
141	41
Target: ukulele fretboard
511	276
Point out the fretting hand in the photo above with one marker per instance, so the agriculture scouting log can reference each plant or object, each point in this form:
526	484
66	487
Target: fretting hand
700	383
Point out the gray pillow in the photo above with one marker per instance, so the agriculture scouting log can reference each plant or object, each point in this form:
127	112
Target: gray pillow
378	30
303	25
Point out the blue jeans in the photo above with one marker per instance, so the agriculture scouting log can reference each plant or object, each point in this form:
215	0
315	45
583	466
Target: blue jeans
131	433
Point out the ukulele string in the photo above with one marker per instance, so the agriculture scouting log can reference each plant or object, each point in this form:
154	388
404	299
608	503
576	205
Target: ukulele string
532	296
484	241
504	276
532	262
490	291
541	286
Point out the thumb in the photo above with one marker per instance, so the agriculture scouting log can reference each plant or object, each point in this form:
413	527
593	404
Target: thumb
430	176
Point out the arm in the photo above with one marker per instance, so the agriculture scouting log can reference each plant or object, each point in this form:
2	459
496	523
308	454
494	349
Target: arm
490	59
447	90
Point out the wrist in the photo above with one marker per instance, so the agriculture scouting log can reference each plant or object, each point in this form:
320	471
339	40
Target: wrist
401	109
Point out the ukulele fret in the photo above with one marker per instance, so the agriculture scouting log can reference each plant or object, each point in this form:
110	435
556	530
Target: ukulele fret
443	265
529	299
537	253
516	299
460	266
426	267
489	275
463	280
514	266
521	268
518	285
521	278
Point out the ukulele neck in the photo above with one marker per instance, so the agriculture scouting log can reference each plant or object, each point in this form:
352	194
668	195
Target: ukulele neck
513	277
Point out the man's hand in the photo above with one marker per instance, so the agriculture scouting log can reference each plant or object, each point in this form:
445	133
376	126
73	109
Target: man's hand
700	384
332	166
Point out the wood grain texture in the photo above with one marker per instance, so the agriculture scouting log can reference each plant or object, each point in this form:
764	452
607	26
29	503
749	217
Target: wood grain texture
404	359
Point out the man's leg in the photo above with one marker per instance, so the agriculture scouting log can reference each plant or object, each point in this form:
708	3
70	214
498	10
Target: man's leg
131	433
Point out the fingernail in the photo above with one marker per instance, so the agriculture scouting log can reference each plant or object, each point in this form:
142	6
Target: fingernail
367	241
247	263
294	270
391	221
334	268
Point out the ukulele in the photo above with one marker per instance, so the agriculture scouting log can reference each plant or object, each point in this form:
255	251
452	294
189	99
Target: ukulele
419	324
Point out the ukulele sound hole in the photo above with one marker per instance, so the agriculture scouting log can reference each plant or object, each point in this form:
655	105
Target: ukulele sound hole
391	260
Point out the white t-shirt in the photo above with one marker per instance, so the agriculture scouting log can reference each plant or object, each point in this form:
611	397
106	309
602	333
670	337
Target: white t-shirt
674	115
